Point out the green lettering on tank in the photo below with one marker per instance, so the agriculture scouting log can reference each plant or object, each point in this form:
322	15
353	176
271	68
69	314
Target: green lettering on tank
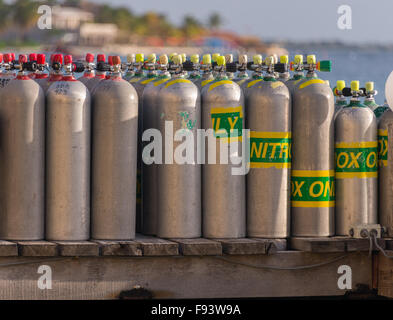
356	159
270	149
312	188
383	147
227	122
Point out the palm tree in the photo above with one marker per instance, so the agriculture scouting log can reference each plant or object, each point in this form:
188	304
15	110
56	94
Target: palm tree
215	21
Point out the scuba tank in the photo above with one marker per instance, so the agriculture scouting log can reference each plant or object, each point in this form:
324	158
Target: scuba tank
356	165
369	100
55	73
297	67
32	58
207	72
40	75
130	67
179	184
223	197
284	76
257	68
149	170
312	173
68	158
114	123
9	73
89	69
268	106
385	171
22	165
102	68
242	75
193	67
341	101
380	110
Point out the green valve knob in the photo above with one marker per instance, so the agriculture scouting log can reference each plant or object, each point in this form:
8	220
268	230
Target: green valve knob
325	66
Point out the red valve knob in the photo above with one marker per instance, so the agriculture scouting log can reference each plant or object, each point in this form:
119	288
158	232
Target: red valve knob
68	59
101	57
89	57
116	60
22	58
32	57
40	58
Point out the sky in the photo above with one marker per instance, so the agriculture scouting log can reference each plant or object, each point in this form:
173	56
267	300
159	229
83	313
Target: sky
300	20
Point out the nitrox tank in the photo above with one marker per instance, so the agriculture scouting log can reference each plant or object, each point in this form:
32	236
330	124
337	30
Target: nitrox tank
68	158
341	101
40	75
149	168
312	180
89	69
55	73
385	175
115	123
207	75
356	154
223	197
22	165
284	76
268	181
242	75
102	68
297	67
179	176
130	67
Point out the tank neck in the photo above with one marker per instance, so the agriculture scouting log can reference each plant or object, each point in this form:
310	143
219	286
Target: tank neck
355	102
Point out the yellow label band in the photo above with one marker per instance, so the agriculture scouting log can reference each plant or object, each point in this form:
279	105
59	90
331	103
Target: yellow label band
205	82
158	82
341	175
254	134
219	83
366	144
310	82
177	81
148	80
284	165
253	82
312	204
276	84
312	173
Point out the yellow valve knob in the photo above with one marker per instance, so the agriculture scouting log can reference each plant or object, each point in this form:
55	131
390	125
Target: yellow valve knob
340	85
163	59
298	59
355	85
177	59
311	59
243	59
215	56
183	57
140	57
152	58
269	60
228	58
172	55
207	59
194	58
284	59
369	86
130	58
221	61
257	59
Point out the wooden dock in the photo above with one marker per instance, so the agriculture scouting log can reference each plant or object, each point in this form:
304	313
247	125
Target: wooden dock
193	268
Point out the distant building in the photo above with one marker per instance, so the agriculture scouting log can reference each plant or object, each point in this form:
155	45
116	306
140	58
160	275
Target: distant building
69	18
97	33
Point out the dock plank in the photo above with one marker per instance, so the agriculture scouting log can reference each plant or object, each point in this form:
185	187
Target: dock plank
78	248
152	246
37	248
242	246
119	248
317	244
199	247
8	248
